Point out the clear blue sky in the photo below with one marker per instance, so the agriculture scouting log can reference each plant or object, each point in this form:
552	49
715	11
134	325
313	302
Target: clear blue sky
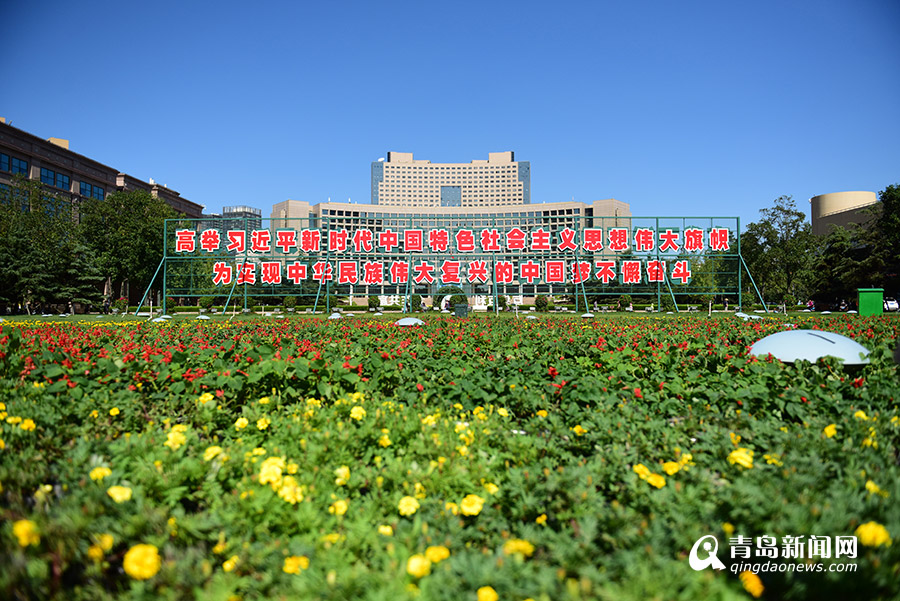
686	108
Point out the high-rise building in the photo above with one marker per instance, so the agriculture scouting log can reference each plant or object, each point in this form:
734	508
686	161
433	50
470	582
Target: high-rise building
401	180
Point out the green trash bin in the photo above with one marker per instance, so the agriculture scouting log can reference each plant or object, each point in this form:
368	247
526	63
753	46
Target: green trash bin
460	310
871	301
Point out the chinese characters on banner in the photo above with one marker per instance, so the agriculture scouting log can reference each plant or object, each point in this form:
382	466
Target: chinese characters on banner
379	270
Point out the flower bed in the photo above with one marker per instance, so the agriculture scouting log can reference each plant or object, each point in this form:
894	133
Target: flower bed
477	459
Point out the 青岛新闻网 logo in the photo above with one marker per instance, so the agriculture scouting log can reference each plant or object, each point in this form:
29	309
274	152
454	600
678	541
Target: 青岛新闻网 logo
708	550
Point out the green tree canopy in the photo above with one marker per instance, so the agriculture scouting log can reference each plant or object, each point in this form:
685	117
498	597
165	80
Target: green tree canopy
125	233
780	251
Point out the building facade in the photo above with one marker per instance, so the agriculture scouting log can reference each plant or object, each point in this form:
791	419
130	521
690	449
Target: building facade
551	217
70	174
403	181
840	209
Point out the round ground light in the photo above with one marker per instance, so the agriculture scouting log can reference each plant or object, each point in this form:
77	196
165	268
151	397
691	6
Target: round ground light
810	345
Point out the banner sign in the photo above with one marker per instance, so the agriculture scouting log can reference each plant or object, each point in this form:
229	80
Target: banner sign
365	257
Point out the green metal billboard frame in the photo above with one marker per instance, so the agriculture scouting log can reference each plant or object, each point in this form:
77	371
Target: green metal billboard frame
182	275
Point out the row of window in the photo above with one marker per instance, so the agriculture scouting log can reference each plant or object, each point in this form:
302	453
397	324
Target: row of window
365	215
53	178
92	191
13	165
49	177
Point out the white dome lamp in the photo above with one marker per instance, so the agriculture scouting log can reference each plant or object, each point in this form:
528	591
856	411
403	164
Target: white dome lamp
811	345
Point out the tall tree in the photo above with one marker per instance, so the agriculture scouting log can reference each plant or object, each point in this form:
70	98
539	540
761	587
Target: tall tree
125	232
779	250
43	257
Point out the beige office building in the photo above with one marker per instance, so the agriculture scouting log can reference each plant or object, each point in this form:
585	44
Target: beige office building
410	193
403	181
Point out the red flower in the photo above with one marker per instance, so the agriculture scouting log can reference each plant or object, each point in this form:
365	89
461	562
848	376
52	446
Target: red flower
637	393
419	387
552	372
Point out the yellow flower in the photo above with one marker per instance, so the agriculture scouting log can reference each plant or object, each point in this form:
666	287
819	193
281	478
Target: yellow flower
641	470
99	473
229	564
332	538
211	453
874	489
27	533
264	400
735	438
541	519
357	413
487	593
861	415
491	488
385	530
290	491
579	431
295	564
541	413
752	583
741	456
502	412
437	554
471	505
142	562
671	467
241	423
418	566
727	528
205	398
451	507
686	460
384	441
656	480
119	494
27	425
95	553
270	471
114	411
2	444
175	439
339	507
262	423
14	420
873	534
518	546
343	475
830	430
773	460
105	541
95	414
408	505
419	491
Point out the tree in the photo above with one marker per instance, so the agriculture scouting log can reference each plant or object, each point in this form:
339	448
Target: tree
45	261
125	232
779	250
885	240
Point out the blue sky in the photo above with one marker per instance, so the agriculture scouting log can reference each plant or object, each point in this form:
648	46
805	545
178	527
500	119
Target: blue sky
678	108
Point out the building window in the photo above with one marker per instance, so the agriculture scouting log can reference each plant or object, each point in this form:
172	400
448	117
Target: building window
88	190
48	177
63	181
19	166
4	162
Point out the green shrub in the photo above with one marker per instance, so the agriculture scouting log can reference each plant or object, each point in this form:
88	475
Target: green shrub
289	302
541	303
458	299
373	302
